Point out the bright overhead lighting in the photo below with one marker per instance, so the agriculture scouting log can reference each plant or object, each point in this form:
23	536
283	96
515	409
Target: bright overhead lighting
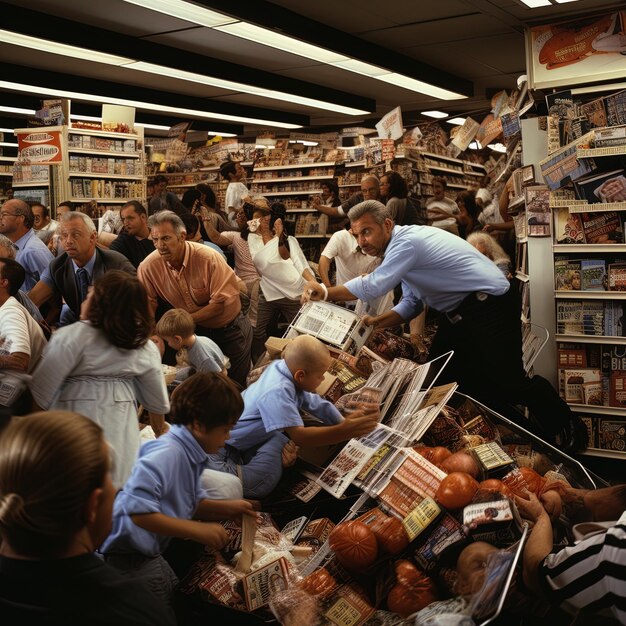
533	4
596	88
437	114
217	134
6	130
400	80
497	147
304	142
8	145
565	1
152	126
17	110
267	37
161	70
474	146
273	39
146	106
84	118
44	45
457	121
185	11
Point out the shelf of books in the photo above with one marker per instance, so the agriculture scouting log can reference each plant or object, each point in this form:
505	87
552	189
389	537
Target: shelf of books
590	290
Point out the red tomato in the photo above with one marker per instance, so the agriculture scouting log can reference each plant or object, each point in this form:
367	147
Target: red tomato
354	544
456	490
435	455
495	485
461	462
405	599
391	536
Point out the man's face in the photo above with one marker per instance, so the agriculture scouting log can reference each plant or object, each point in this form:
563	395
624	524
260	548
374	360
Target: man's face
77	240
169	245
134	223
40	220
370	190
438	191
161	187
240	172
62	210
10	221
372	237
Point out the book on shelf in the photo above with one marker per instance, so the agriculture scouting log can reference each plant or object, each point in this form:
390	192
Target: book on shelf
602	187
614	319
617	276
617	388
571	355
569	317
616	108
593	317
574	379
605	227
567	274
593	275
568	227
610	137
611	434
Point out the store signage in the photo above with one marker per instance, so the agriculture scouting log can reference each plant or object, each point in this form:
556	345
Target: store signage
466	133
577	51
390	126
388	149
40	147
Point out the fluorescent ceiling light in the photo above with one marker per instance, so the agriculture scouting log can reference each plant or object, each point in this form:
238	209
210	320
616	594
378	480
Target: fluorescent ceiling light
267	37
457	121
185	11
437	114
474	146
161	70
217	134
89	118
565	1
497	147
6	130
304	142
273	39
596	88
260	146
533	4
8	145
17	110
146	106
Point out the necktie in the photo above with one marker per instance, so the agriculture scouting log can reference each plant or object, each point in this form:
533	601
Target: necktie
83	282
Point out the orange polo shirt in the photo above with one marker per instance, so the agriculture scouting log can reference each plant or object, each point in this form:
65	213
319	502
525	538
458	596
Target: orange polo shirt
204	280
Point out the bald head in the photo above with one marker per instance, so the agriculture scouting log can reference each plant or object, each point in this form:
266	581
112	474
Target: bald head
7	249
471	566
306	353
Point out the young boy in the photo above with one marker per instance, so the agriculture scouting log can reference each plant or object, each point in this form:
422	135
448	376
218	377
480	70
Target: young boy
165	493
177	327
270	427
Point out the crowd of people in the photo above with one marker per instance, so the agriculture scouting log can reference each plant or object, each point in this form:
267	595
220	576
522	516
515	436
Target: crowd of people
87	322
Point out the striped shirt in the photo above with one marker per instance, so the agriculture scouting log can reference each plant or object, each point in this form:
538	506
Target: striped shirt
590	577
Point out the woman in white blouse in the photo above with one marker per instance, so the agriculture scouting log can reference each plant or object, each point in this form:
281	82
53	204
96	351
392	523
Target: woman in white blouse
284	270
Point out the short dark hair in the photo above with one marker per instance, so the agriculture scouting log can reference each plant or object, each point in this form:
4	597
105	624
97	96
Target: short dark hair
437	179
13	272
67	203
140	209
190	197
227	168
469	202
397	185
191	224
45	211
120	308
23	208
211	399
209	194
160	179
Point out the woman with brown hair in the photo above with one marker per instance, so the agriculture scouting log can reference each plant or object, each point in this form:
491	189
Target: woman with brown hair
104	365
56	502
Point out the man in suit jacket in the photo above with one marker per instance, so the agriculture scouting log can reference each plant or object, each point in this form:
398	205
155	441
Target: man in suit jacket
70	274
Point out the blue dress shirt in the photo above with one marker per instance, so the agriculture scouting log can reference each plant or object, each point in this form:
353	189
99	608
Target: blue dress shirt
33	255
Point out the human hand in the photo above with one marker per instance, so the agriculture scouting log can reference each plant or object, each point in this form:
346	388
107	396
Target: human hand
487	228
362	421
212	535
279	227
312	291
290	454
552	504
530	508
369	320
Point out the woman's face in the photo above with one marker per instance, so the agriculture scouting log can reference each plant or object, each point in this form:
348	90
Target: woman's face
325	191
438	191
384	187
264	222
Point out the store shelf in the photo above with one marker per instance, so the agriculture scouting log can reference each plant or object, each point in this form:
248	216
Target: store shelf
350	185
608	454
355	164
300	210
6	158
35	183
478	174
103	200
621	341
273	194
289	178
101	133
294	166
442	157
455	186
599	410
6	173
449	170
589	247
600	152
521	276
187	185
590	295
596	207
479	165
112	153
104	176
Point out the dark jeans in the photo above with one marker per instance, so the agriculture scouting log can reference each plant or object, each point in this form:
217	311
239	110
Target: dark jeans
268	314
235	340
486	338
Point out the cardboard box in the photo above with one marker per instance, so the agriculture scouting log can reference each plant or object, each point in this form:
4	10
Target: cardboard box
612	434
275	346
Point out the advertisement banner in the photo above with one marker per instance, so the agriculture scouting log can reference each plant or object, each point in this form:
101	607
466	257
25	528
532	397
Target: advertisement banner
40	146
390	126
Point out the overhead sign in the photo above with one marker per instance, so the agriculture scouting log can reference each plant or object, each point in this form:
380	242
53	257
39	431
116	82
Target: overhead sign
390	126
40	146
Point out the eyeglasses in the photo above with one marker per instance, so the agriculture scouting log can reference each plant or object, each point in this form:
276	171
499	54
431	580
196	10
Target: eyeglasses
3	214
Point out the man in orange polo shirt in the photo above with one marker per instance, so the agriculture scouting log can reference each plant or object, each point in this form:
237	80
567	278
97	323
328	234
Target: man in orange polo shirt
187	275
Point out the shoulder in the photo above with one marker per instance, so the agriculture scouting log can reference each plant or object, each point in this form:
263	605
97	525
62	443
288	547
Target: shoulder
59	262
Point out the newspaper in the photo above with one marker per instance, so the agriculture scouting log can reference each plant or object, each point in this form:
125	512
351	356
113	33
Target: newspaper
259	586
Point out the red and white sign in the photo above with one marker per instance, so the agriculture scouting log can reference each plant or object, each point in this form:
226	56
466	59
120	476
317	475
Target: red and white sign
40	146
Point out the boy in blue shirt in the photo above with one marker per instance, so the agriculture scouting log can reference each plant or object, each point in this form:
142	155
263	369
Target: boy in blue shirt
177	327
164	495
265	437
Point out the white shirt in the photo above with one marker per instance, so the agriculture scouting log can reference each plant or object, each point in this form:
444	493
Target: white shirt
51	225
350	260
447	205
19	332
235	193
280	278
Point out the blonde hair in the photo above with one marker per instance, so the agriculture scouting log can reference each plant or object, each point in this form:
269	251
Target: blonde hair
176	322
494	250
50	463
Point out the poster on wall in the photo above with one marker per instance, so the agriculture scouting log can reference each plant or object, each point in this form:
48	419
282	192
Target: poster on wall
577	51
40	146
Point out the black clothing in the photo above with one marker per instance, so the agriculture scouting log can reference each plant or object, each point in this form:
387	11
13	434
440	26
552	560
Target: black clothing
135	250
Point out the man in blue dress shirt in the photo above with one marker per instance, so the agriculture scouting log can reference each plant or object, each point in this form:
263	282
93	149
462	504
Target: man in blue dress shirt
480	314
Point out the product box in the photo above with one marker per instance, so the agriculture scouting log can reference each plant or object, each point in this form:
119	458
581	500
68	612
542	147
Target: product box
493	521
351	606
492	459
617	388
316	532
612	434
593	274
617	277
571	355
259	585
574	380
592	432
447	534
